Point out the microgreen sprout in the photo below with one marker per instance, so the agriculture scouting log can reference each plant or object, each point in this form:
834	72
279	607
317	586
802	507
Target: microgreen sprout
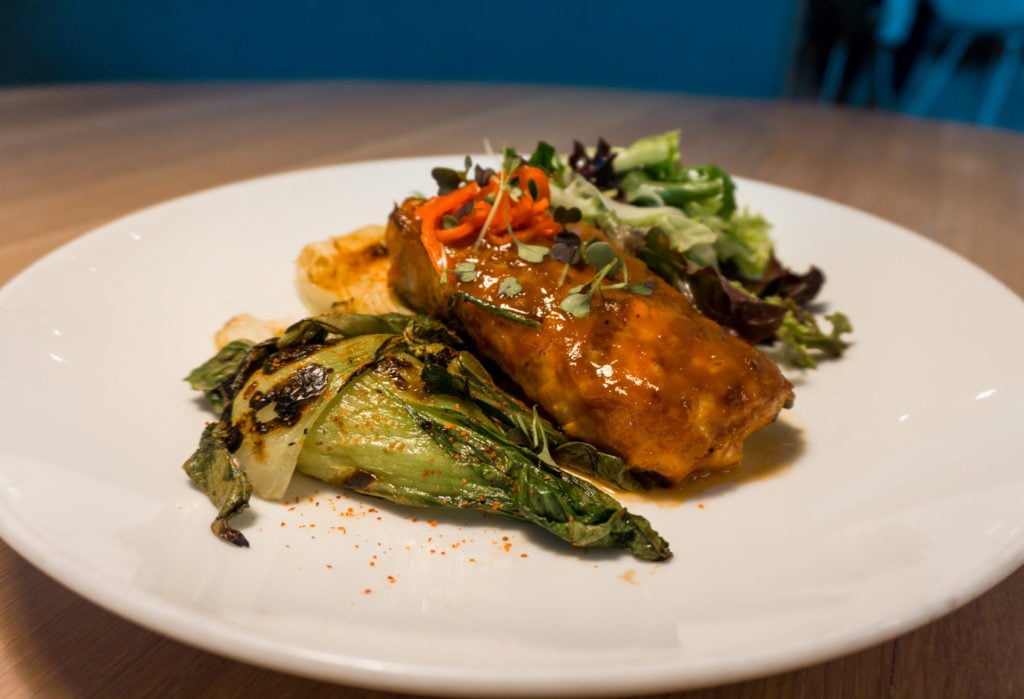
577	303
527	252
645	289
494	210
448	179
538	439
603	257
600	254
510	286
464	271
566	248
483	175
565	215
509	162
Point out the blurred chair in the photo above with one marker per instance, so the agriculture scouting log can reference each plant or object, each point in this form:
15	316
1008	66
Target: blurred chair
883	27
964	22
845	27
895	21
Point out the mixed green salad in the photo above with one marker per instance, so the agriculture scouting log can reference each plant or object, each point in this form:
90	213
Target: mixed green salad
684	223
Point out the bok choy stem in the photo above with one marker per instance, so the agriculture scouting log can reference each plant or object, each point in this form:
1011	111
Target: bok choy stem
393	407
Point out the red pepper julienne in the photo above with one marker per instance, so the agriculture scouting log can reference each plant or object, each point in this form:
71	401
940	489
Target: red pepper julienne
526	216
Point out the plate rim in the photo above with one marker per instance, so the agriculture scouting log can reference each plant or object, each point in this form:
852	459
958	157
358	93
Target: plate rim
163	618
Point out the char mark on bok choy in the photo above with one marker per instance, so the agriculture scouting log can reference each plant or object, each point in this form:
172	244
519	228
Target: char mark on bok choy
393	407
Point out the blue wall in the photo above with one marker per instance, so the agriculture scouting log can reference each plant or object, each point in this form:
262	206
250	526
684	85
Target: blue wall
731	47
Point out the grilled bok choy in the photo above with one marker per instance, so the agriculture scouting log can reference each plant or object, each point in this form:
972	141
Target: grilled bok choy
393	407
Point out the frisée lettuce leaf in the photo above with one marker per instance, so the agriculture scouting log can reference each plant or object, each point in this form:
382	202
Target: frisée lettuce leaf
684	222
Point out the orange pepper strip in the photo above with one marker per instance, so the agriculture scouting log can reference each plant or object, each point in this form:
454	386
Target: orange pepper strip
529	173
518	214
540	230
433	210
527	217
521	212
456	233
498	237
434	248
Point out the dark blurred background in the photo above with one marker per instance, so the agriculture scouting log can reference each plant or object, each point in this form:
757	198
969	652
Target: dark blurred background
869	53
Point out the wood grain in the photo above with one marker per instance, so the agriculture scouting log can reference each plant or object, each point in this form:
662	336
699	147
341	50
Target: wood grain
75	157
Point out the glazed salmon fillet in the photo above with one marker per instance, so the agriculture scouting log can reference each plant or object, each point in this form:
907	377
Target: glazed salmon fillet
645	376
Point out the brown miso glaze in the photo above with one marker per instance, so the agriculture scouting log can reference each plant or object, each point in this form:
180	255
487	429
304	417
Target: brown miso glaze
647	377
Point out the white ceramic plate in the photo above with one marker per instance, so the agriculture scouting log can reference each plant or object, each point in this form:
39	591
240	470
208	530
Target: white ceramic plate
896	499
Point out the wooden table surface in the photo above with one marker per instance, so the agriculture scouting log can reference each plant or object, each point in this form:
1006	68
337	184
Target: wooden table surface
75	157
